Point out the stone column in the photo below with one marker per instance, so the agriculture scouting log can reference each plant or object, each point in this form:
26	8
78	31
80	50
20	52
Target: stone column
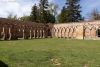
75	32
30	34
68	34
34	33
37	33
43	34
53	33
64	34
90	34
10	34
3	34
24	37
97	33
57	33
60	33
72	33
40	33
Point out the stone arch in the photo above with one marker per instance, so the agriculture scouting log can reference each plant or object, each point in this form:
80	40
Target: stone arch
98	31
71	32
5	31
20	31
67	32
34	32
56	32
38	32
53	32
60	32
0	30
93	32
74	32
49	31
31	31
43	32
63	32
87	32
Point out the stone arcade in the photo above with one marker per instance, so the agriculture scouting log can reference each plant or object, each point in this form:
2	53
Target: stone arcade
14	29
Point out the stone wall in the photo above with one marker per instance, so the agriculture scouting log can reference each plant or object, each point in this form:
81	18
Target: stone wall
14	29
82	30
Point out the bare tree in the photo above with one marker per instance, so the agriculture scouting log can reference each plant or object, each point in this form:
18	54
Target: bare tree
94	15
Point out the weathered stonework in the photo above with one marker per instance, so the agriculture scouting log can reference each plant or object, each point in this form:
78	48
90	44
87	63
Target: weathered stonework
14	29
82	30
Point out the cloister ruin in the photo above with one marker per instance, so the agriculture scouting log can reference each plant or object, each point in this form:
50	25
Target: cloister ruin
14	29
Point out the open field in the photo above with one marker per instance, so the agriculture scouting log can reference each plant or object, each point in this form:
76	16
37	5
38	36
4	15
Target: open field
50	53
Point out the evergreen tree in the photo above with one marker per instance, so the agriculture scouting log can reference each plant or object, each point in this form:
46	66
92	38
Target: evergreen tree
43	7
73	11
34	14
50	17
62	16
53	9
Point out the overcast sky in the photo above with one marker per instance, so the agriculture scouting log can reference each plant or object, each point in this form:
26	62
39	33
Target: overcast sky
21	7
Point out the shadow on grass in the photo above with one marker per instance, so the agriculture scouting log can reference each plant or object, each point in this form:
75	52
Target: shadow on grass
2	64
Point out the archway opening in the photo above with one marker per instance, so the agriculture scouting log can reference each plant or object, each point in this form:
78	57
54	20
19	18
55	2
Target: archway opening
49	32
98	32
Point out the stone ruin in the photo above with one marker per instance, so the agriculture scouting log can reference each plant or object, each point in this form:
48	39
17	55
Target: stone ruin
14	29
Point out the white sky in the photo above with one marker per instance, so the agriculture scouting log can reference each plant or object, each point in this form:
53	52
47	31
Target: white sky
21	7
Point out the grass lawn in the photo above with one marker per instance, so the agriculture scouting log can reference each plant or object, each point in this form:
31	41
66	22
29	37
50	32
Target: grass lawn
50	53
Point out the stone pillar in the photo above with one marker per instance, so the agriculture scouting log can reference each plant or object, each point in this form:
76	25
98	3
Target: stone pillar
43	34
68	33
75	32
57	33
34	33
30	34
97	33
37	33
64	34
90	34
72	33
24	36
10	34
40	33
60	33
52	33
3	34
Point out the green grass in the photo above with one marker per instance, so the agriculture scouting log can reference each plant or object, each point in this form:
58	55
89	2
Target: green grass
50	53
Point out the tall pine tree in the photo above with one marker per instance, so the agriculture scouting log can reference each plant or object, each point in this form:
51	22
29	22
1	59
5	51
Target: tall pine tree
62	16
73	11
34	14
43	7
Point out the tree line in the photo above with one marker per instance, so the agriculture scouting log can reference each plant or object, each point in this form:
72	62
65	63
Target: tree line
46	12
